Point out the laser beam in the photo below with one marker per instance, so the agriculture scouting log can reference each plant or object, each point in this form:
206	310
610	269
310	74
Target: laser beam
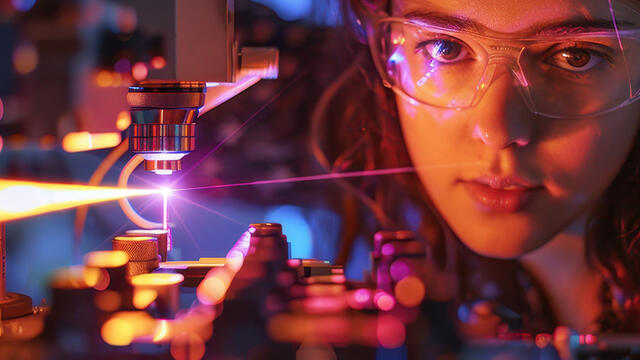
342	175
20	199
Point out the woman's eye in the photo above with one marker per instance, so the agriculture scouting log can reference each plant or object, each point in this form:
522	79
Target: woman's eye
576	59
444	51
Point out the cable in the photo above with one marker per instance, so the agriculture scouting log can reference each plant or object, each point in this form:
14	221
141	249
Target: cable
124	202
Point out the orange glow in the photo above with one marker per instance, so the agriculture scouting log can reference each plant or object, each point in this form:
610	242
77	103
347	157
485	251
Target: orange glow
163	331
139	71
84	141
398	40
123	327
235	259
47	142
106	259
158	62
123	121
107	300
187	346
20	199
104	78
116	79
334	279
25	58
542	340
143	298
133	238
103	280
1	143
214	287
74	277
409	291
17	141
155	279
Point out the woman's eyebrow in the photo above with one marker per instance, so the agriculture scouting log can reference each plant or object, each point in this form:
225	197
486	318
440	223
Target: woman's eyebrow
565	26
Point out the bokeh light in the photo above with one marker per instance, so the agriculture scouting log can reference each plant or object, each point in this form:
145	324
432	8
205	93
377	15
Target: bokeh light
384	301
410	291
122	65
108	300
143	298
117	332
23	5
158	62
289	10
542	340
399	269
1	108
104	78
139	71
188	346
214	287
84	141
48	142
124	120
25	58
390	332
123	327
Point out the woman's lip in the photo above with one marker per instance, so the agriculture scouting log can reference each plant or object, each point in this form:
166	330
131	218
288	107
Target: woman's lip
504	200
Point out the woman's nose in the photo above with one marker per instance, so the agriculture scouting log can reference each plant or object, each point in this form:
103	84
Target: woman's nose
502	119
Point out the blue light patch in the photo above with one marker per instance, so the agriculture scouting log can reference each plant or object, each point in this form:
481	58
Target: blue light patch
289	10
296	227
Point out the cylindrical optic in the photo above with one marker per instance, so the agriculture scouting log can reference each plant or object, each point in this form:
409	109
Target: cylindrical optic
142	252
163	237
165	287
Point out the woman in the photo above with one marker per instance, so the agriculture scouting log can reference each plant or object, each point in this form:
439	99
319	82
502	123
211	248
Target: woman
521	122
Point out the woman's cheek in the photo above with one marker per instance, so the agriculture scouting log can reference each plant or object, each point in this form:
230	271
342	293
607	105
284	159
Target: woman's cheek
435	137
569	162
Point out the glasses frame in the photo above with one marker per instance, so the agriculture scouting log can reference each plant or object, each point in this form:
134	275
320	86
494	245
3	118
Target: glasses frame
494	57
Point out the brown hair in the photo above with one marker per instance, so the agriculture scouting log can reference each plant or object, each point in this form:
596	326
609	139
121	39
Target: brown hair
364	133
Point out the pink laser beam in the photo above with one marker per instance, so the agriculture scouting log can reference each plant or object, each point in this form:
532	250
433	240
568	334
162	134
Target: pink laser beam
342	175
165	196
243	125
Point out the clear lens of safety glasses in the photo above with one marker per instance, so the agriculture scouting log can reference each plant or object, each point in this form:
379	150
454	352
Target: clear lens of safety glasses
563	76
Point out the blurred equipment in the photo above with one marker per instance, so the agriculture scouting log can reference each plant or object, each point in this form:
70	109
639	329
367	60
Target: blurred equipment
12	305
207	70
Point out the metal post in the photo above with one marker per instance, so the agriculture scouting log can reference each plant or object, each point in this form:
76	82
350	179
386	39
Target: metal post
3	262
12	305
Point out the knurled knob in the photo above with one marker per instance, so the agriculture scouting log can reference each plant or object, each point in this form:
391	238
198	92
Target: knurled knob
139	248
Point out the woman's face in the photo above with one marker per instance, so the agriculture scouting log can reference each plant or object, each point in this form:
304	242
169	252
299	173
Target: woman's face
507	180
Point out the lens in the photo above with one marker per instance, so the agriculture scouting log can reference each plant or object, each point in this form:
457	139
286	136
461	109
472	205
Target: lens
439	68
582	75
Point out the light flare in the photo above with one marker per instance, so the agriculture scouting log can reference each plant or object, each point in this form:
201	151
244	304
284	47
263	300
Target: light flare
21	199
125	326
85	141
165	198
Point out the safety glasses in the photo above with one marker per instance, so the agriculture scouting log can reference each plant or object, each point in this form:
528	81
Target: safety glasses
573	75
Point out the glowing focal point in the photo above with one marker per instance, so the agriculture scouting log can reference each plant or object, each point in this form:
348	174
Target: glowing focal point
20	199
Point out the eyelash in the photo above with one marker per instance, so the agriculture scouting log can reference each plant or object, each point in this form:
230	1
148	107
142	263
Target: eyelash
422	46
557	49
